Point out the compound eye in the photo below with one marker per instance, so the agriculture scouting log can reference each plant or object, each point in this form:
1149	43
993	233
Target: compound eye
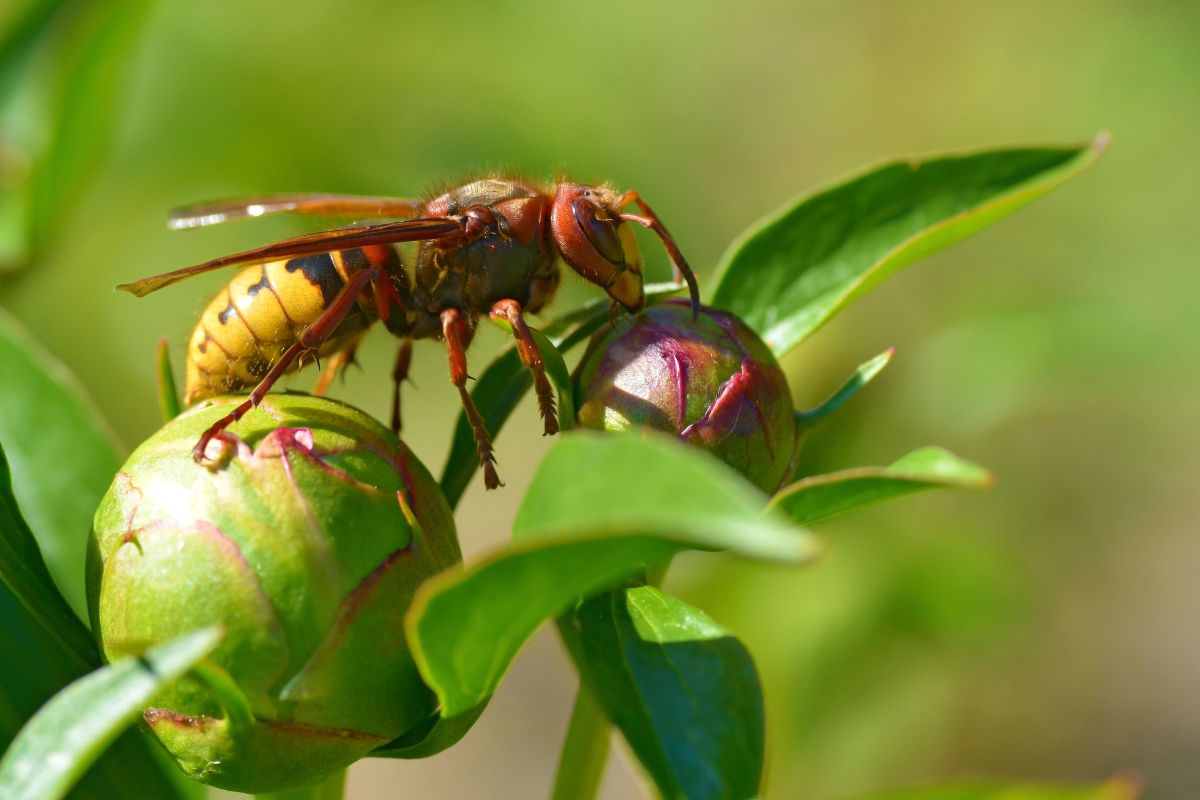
602	233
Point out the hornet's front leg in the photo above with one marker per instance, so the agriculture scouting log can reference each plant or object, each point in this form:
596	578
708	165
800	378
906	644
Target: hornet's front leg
650	221
531	357
456	333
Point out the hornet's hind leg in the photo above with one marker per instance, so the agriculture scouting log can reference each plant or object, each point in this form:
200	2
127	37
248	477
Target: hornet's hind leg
531	357
455	332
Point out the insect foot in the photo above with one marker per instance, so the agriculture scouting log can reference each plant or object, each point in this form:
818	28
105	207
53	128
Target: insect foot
710	380
307	545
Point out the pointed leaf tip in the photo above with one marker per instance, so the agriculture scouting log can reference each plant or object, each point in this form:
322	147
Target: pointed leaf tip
823	497
865	373
795	270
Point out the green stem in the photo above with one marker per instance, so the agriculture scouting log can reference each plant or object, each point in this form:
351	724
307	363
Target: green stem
332	788
585	751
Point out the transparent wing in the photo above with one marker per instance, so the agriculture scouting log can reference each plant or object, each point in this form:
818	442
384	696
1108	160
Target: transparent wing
323	205
411	230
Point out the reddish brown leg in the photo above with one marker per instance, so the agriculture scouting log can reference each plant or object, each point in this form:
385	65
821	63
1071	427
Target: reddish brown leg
386	297
532	358
454	330
399	374
310	339
651	221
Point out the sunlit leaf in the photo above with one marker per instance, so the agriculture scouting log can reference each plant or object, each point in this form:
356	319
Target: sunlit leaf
71	731
601	509
62	454
1120	788
682	690
35	669
822	497
792	272
606	483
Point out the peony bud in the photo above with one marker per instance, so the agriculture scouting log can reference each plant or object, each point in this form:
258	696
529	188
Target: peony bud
711	380
306	540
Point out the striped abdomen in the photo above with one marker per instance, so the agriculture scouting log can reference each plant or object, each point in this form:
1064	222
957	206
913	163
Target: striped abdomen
262	312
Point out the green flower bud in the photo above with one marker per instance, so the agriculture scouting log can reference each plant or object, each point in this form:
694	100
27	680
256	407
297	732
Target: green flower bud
306	541
711	380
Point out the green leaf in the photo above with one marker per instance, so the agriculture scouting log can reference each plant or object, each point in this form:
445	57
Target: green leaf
62	454
56	747
25	573
602	508
790	273
682	690
168	391
465	627
45	645
438	735
35	668
556	371
822	497
861	377
605	484
1119	788
506	380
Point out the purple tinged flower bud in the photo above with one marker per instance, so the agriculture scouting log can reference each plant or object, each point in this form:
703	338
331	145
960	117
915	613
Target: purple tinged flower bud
711	380
306	542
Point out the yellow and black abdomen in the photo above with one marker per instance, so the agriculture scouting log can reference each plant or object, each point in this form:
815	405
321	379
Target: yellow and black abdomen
262	312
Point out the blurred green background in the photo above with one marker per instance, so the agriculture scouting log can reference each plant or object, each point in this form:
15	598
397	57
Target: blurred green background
1044	629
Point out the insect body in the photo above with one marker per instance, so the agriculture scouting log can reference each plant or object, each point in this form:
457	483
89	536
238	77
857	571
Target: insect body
252	322
491	246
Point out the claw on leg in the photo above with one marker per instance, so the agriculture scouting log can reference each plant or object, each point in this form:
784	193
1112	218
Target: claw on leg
456	334
256	397
337	364
531	357
309	341
399	374
483	441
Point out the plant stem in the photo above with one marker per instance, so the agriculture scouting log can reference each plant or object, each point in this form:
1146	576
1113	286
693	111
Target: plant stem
332	788
585	751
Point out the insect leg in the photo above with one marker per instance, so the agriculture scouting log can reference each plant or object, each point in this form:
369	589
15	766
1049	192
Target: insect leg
399	374
531	357
651	221
309	340
339	362
454	330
